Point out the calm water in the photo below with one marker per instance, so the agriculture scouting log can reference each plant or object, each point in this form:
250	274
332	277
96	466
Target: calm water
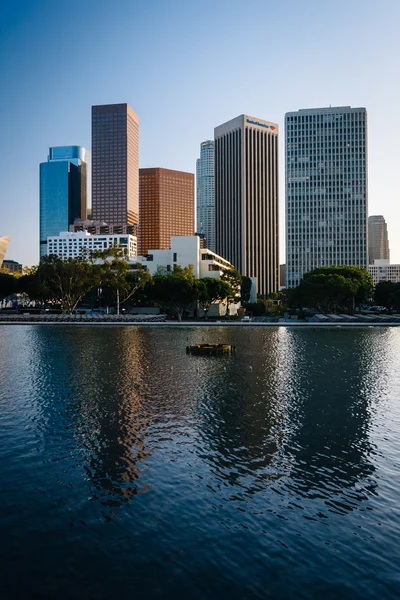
130	469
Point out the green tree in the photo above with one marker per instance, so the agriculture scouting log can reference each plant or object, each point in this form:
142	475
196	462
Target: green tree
211	290
331	289
8	285
387	293
363	279
245	289
30	283
120	281
175	291
234	279
67	281
257	309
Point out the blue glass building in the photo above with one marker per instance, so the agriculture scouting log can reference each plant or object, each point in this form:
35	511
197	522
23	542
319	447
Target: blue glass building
63	185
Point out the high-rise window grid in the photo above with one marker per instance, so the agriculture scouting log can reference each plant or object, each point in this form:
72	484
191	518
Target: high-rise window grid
326	189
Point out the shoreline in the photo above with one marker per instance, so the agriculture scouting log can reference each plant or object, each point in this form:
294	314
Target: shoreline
144	323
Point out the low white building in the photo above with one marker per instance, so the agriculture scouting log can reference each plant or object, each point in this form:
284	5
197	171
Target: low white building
185	251
76	244
382	270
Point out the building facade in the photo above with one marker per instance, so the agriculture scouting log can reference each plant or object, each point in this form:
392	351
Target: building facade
4	242
185	251
246	198
205	194
378	239
326	189
101	227
79	244
166	207
382	270
115	164
12	266
63	191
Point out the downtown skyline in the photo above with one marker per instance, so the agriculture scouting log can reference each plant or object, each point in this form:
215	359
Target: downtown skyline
176	111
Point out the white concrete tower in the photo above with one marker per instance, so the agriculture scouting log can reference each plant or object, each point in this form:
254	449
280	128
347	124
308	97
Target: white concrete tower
326	189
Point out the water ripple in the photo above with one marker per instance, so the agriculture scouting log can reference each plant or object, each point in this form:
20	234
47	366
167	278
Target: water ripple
127	464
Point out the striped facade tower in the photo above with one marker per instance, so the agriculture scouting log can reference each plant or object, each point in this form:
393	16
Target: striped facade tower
246	198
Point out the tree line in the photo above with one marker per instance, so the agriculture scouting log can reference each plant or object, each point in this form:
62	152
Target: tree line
67	283
332	289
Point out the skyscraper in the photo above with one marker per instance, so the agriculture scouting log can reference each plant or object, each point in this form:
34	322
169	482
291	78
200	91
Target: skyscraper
205	197
326	189
115	164
378	240
166	207
63	191
246	198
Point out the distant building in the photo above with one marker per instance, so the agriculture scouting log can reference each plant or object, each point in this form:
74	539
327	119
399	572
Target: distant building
203	242
73	245
382	270
205	196
378	240
246	198
4	242
282	275
166	207
12	266
115	164
63	191
326	189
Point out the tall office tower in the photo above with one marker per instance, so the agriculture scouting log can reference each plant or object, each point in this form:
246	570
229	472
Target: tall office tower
115	164
378	240
205	197
4	242
246	198
63	191
326	189
166	207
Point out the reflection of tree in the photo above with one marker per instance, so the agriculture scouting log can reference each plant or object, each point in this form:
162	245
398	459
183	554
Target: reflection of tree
113	418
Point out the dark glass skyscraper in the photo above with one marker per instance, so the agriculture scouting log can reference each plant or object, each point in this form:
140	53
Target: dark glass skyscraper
115	161
246	198
63	185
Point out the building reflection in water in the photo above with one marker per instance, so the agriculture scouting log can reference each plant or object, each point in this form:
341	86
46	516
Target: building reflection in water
287	412
242	401
114	416
339	385
290	411
93	399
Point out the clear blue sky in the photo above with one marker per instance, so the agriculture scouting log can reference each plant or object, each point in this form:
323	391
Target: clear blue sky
186	67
